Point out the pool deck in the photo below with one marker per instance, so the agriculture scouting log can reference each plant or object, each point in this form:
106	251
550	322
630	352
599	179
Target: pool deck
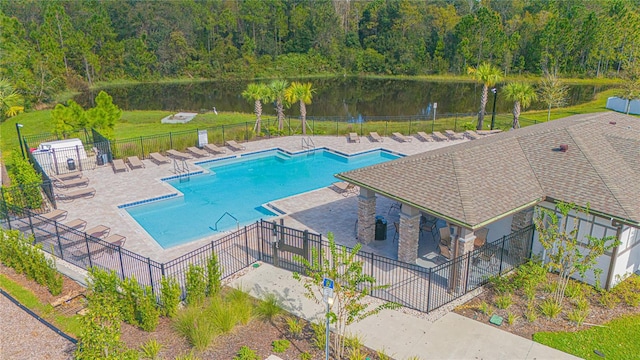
319	211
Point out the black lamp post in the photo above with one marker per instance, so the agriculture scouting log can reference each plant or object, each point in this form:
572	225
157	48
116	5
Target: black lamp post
493	116
18	126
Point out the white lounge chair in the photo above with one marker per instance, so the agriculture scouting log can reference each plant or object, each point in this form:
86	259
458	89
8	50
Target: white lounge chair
438	136
119	165
214	149
179	155
197	152
353	137
452	135
71	195
234	145
375	137
401	137
345	188
471	135
422	136
135	162
159	158
58	182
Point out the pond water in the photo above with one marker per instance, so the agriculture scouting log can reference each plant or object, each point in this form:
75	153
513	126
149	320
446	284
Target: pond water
339	96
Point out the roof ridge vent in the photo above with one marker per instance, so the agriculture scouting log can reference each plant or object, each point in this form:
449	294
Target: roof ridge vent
612	122
564	147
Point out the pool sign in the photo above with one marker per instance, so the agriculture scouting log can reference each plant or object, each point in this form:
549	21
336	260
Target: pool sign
327	289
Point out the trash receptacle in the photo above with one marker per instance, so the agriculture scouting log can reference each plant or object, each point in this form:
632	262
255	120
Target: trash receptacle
381	228
71	164
99	160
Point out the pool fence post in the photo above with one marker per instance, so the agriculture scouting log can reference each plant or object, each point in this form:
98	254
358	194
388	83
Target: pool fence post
429	291
162	269
153	289
466	282
361	133
337	124
86	241
246	131
29	213
305	244
386	127
371	265
121	263
246	245
142	147
223	142
260	230
5	209
170	140
79	159
59	243
433	124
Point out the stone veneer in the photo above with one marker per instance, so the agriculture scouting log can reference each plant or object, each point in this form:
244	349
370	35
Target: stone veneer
458	272
366	216
522	219
409	234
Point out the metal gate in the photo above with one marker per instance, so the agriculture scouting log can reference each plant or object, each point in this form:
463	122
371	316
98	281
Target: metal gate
281	244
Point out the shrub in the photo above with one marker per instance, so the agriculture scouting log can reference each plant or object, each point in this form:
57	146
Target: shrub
222	316
550	308
501	284
504	301
170	293
484	308
609	300
196	285
245	353
382	355
17	252
531	314
150	349
581	303
269	307
241	305
578	316
294	326
573	290
353	341
280	346
319	335
147	313
197	329
214	275
27	192
357	354
512	318
131	292
305	356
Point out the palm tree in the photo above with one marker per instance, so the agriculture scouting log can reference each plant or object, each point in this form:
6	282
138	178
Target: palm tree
278	89
256	93
10	100
522	95
302	93
488	75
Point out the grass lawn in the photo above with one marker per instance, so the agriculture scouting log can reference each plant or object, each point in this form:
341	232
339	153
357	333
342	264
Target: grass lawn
616	340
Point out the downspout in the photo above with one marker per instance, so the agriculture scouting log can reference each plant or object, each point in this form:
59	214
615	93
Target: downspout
614	254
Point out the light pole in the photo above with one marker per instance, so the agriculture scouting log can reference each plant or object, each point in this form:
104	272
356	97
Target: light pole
18	126
493	116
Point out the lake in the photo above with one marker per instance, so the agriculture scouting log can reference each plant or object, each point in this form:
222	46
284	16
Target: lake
338	96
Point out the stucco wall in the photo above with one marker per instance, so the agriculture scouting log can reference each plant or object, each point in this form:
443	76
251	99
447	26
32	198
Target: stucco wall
592	225
499	229
628	260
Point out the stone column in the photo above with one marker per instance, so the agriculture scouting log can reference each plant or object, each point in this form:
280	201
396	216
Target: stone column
409	234
366	216
522	219
462	245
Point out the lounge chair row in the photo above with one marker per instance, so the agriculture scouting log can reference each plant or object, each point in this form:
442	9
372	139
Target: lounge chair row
207	150
422	136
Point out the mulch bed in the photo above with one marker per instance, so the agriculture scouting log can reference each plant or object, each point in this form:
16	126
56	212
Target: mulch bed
257	334
598	314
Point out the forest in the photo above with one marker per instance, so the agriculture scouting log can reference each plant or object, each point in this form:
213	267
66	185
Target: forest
51	46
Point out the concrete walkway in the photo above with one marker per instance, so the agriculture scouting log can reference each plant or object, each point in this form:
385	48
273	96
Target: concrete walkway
401	333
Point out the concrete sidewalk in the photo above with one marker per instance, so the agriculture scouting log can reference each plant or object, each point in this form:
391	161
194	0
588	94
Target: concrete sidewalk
402	335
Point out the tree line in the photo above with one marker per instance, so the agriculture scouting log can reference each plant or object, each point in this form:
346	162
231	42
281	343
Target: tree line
49	46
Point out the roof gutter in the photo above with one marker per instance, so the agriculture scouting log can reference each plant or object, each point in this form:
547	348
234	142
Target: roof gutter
601	214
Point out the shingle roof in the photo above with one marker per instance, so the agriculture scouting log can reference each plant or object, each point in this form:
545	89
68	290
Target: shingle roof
477	181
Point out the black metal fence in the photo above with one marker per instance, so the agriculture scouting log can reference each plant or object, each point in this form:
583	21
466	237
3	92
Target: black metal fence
413	286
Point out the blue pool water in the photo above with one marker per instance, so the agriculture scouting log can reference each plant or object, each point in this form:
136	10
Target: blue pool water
240	187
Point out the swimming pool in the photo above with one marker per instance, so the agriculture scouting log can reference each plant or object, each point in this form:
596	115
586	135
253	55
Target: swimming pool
239	187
